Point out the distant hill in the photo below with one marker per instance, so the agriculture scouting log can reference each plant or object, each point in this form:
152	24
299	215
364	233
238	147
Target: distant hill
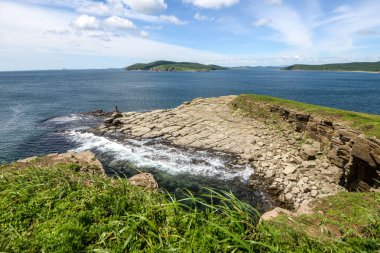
172	66
354	66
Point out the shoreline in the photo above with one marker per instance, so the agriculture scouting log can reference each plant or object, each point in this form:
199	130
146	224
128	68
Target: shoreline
338	71
291	166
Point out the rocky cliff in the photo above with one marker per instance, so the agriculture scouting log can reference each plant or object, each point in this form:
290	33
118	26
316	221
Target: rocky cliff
356	156
296	159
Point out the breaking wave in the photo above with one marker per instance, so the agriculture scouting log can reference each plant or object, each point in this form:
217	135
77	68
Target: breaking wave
166	158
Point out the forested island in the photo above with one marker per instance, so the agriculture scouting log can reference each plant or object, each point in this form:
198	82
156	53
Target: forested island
163	66
353	66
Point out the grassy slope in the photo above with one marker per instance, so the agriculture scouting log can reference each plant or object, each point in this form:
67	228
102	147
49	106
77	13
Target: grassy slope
174	66
367	123
57	208
354	66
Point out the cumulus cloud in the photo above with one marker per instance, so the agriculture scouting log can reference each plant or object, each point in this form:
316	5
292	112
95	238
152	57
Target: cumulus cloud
262	22
172	19
94	8
120	23
212	4
86	22
146	6
26	44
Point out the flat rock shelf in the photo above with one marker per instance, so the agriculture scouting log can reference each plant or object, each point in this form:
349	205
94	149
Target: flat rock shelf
293	170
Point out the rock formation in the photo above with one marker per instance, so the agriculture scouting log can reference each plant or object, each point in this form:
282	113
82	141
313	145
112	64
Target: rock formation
296	160
356	156
86	159
144	180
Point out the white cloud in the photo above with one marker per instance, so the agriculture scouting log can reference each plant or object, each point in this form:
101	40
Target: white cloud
262	22
26	44
153	27
201	17
86	22
288	25
212	4
94	8
144	34
121	23
172	19
146	6
342	8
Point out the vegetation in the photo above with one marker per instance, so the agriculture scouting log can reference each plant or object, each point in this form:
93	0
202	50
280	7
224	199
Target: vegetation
173	66
61	208
369	124
354	66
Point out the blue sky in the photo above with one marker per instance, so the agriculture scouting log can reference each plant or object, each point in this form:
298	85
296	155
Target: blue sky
54	34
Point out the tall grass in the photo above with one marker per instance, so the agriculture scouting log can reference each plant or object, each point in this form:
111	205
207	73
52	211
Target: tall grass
60	209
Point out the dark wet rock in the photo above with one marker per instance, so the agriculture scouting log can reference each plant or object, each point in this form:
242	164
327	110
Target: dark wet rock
98	113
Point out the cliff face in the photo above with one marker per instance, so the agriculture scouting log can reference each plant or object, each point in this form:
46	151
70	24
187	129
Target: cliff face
357	155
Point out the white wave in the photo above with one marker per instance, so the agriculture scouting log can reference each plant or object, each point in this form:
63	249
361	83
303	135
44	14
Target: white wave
169	159
66	119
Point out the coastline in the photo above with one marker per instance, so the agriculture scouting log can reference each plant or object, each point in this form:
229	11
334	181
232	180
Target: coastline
64	196
339	71
293	168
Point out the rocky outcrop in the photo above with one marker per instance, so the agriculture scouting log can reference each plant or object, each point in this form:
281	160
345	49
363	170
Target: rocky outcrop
353	153
86	159
272	214
144	180
292	170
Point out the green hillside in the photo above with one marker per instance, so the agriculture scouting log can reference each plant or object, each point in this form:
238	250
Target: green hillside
60	208
353	66
172	66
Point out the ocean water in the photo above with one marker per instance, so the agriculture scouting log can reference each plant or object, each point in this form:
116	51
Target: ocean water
40	112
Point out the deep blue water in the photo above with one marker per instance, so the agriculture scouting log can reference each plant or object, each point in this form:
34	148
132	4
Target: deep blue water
28	98
40	112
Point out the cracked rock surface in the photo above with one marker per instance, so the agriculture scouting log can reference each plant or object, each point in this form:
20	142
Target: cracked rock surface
293	170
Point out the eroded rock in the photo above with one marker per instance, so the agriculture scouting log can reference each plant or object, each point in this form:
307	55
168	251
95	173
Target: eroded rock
144	180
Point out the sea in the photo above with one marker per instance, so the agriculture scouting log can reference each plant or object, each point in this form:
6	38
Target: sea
44	112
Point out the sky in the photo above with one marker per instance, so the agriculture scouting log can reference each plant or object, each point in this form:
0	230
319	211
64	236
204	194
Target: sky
87	34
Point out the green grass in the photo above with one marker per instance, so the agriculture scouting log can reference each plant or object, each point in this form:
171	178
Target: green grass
369	124
60	208
353	218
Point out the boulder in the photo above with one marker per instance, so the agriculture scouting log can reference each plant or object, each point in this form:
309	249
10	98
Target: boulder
308	152
289	169
144	180
85	159
346	136
362	150
309	164
274	213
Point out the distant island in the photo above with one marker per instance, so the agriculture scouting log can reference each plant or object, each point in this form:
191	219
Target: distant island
353	66
163	66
